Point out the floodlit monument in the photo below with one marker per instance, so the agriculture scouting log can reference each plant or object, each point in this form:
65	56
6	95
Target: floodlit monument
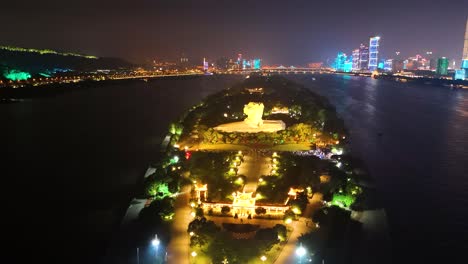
254	112
254	122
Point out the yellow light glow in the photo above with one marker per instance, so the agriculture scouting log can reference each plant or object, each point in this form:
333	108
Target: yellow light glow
296	210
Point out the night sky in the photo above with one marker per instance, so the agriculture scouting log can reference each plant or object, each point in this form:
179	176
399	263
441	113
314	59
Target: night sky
279	32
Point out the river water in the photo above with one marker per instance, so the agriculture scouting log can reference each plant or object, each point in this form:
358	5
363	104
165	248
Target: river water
77	156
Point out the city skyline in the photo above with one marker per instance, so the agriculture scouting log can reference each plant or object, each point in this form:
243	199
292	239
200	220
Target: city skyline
298	33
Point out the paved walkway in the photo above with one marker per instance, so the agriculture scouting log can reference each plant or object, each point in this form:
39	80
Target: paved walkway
302	226
254	166
178	248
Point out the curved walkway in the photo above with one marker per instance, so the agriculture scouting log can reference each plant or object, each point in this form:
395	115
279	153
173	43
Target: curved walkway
302	226
178	248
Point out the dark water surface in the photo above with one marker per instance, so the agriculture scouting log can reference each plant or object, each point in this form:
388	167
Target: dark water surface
73	160
420	163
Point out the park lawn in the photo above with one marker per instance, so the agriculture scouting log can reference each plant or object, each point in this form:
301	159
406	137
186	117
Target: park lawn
227	147
220	147
292	147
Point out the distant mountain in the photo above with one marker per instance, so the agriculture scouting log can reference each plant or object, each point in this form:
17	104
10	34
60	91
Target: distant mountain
49	62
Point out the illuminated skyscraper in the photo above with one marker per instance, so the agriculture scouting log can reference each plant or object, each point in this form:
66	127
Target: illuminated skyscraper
459	74
205	64
239	61
363	57
373	53
339	63
388	65
465	47
442	66
356	60
464	64
257	64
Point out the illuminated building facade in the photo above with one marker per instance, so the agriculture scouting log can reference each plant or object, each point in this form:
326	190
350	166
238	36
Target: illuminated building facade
381	65
205	64
257	64
388	65
348	65
356	60
464	64
442	66
363	57
465	46
339	63
460	74
245	64
374	43
239	61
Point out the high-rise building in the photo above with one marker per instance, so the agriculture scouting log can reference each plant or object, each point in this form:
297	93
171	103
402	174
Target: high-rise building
388	65
348	65
459	74
442	66
432	64
356	60
340	60
381	65
465	46
464	64
205	64
257	64
363	57
374	43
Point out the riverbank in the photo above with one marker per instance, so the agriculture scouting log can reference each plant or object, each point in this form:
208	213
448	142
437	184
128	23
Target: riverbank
29	91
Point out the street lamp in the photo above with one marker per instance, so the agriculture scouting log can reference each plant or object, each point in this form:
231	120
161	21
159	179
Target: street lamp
300	252
263	258
155	242
194	254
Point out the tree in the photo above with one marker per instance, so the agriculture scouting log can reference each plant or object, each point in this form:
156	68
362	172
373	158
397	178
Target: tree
158	188
289	214
281	230
199	212
175	129
260	210
225	209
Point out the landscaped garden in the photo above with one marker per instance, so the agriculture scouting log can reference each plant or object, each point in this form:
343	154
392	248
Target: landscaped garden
312	159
